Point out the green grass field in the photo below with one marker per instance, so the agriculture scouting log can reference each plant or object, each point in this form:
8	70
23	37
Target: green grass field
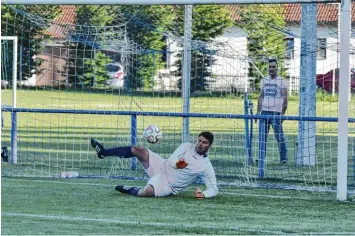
51	143
92	206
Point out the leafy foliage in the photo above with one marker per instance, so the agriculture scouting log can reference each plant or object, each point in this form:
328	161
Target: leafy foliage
86	62
145	26
209	21
264	25
96	73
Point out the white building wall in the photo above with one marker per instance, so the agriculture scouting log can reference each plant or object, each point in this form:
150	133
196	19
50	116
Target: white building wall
331	61
323	65
231	67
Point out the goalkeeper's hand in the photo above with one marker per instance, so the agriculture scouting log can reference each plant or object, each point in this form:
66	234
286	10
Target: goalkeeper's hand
199	194
181	163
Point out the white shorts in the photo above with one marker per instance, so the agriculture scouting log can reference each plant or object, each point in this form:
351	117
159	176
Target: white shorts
156	174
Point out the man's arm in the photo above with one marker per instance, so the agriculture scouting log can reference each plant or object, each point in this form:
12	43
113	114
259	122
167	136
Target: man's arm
260	100
285	101
209	177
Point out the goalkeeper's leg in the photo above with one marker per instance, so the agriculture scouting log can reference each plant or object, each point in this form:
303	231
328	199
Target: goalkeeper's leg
157	186
123	152
147	191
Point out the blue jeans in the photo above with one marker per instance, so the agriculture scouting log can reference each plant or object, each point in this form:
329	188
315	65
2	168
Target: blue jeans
279	133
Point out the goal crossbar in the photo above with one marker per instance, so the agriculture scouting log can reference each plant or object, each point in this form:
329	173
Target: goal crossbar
162	2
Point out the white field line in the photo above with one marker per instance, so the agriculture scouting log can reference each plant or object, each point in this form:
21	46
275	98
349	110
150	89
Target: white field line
129	222
221	192
156	224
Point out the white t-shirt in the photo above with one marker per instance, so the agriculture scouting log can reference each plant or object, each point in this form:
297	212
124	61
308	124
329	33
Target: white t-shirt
198	166
272	89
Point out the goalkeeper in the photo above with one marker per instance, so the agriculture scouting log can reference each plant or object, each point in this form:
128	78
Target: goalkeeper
172	175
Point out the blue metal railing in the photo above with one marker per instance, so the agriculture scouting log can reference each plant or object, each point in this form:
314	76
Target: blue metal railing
174	114
134	114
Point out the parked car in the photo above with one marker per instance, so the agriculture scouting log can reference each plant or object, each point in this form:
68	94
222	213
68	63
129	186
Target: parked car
325	81
116	73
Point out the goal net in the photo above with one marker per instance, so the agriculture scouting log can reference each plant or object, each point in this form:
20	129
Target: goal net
109	71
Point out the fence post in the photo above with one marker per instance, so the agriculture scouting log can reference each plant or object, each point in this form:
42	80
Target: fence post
261	160
133	139
246	122
250	153
13	137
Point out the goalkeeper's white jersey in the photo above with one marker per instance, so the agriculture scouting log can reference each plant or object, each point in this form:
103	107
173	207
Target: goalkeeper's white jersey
198	165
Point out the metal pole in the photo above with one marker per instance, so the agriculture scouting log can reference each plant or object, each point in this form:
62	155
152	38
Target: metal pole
250	155
14	138
14	67
246	122
186	71
14	101
133	139
262	148
344	75
306	151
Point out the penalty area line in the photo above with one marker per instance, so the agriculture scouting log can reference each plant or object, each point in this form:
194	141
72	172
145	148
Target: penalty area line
113	185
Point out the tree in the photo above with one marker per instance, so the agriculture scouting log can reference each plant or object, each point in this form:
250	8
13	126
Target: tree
96	72
145	27
264	25
87	63
209	21
15	22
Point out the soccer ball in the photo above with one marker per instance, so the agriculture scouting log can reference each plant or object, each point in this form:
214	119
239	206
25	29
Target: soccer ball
152	134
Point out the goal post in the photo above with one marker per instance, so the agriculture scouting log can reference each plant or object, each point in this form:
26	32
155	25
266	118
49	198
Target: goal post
14	101
343	128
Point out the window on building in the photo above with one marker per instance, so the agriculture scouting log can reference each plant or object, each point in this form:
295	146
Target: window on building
322	48
290	48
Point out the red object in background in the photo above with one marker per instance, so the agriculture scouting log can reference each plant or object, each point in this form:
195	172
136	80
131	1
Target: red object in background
325	81
119	75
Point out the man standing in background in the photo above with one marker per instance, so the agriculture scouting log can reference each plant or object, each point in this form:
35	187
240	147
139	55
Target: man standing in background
273	101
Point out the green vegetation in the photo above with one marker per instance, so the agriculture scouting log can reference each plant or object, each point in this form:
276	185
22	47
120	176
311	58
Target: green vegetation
264	25
145	27
87	64
209	22
92	206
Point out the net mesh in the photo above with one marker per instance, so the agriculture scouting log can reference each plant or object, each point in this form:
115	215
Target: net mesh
129	58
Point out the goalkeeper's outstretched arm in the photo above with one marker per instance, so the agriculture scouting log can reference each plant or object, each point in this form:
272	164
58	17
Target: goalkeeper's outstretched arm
209	177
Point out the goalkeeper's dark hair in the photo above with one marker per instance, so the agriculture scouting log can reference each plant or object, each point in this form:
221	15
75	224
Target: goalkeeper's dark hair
208	135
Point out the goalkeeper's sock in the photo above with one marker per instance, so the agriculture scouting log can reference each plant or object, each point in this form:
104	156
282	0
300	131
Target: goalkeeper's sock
133	191
129	190
125	152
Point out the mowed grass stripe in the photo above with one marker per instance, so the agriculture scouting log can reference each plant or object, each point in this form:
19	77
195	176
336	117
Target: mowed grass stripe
237	213
213	226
